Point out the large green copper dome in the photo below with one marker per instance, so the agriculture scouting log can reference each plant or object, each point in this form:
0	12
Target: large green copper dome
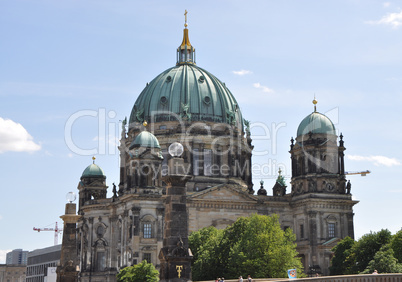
316	123
186	92
189	92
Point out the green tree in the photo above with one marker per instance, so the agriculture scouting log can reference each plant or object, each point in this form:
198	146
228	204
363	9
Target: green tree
140	272
396	245
261	248
384	262
204	244
357	257
253	245
341	252
365	248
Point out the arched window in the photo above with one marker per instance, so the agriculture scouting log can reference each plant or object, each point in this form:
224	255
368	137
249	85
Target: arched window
148	226
147	230
299	166
100	254
196	162
331	222
331	230
207	162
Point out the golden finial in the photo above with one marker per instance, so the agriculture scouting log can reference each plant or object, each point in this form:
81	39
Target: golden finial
145	123
185	18
315	103
279	171
93	159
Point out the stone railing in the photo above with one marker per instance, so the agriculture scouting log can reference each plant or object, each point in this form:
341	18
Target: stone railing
391	277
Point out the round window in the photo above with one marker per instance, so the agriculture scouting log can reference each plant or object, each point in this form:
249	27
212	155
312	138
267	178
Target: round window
164	100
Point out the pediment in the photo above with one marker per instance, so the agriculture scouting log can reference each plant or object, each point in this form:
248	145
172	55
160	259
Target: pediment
224	192
331	243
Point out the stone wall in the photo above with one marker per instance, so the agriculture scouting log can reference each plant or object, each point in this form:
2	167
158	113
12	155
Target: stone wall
392	277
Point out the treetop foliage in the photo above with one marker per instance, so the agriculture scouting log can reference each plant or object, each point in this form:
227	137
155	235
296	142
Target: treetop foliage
143	271
254	245
379	251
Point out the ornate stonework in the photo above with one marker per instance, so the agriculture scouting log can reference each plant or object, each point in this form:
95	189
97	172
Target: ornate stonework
130	226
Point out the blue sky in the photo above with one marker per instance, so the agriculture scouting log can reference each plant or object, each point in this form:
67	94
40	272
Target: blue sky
71	70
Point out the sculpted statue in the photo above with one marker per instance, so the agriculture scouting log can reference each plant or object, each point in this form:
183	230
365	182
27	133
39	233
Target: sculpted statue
185	109
348	187
114	190
247	124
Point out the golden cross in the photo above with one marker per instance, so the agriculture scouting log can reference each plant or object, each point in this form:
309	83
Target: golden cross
179	270
185	17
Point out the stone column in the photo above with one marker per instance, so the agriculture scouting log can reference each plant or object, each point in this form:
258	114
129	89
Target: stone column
175	256
312	222
113	231
68	269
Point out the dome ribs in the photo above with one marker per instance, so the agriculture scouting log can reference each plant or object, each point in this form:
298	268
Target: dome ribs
194	94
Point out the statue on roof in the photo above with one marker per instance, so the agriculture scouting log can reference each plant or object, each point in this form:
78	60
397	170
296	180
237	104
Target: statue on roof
281	180
262	191
247	124
348	187
279	188
185	111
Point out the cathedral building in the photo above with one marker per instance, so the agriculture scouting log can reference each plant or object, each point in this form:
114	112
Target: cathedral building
187	111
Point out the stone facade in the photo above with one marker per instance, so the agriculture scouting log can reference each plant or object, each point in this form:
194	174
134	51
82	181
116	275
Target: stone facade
216	151
128	228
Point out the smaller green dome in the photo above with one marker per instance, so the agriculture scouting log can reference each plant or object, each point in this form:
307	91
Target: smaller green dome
93	170
145	139
316	123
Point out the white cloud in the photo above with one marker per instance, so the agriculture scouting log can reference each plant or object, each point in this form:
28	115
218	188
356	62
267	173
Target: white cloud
242	72
386	4
377	160
3	255
263	88
14	137
392	19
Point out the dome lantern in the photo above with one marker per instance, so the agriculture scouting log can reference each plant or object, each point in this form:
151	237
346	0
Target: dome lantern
185	52
315	104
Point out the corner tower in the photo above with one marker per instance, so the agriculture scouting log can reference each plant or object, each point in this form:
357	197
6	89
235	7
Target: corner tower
92	185
145	164
317	160
322	207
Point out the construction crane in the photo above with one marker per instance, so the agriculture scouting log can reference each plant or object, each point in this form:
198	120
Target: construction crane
362	173
56	232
